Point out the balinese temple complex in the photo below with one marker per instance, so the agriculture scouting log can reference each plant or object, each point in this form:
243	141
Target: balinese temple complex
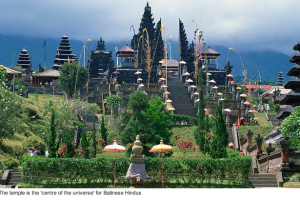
292	99
24	61
64	53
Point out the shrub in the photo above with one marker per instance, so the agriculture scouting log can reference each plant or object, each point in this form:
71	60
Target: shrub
232	152
10	163
295	178
185	145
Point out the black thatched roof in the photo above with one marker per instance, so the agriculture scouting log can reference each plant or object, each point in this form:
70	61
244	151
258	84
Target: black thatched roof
294	83
285	112
295	58
294	71
291	98
209	53
297	47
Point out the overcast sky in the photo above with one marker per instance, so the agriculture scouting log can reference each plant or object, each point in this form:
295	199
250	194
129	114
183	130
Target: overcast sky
242	24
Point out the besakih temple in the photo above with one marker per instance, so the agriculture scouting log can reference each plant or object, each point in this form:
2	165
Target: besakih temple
24	61
125	70
64	53
291	99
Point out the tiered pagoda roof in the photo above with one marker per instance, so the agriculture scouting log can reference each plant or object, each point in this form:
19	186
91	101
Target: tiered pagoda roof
24	60
64	53
125	52
293	97
210	54
280	80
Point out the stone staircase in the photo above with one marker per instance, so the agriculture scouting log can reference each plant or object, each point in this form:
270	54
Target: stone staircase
180	98
15	177
272	118
263	180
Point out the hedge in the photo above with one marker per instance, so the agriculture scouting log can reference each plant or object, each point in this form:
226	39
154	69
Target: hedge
95	170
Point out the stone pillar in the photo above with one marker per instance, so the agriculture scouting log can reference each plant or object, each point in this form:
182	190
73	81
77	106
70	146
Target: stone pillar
259	141
284	147
249	137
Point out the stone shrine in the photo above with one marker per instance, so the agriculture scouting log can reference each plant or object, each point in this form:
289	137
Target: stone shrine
136	171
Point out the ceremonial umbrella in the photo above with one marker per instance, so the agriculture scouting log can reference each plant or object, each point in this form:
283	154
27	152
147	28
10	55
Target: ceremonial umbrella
161	148
186	74
114	148
138	72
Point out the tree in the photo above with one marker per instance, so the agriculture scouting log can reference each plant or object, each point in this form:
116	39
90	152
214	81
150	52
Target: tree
183	43
85	145
190	57
146	22
220	137
52	135
158	51
130	132
137	102
290	128
159	120
103	130
94	145
201	133
114	102
72	78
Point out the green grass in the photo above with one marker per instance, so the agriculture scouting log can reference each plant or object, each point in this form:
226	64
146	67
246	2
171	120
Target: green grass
262	119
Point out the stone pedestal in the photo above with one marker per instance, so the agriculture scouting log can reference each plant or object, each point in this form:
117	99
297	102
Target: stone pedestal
136	171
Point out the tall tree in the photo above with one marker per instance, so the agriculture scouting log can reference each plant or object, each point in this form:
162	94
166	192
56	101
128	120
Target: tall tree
52	135
201	133
183	55
158	51
94	146
146	22
220	137
72	78
103	130
85	145
190	58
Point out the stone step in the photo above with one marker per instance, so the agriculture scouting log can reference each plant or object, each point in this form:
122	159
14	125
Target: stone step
264	185
263	180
